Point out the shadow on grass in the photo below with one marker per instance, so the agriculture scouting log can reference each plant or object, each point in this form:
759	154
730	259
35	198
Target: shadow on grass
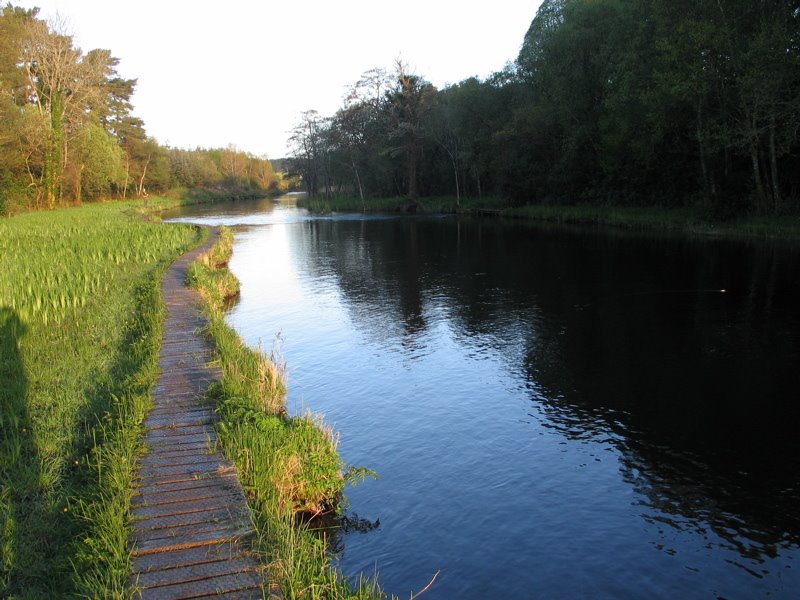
19	462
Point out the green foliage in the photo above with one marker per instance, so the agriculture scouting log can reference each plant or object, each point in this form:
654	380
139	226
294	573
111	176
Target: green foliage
67	133
79	335
100	168
649	102
225	169
625	102
14	196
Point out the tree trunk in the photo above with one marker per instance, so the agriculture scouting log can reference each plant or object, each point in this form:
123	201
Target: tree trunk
78	183
140	191
708	183
358	180
326	172
411	168
455	172
54	153
127	176
757	175
773	162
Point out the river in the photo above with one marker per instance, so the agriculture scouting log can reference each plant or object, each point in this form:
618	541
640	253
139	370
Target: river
553	412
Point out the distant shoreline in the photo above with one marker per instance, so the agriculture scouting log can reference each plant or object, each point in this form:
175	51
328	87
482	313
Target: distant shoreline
688	220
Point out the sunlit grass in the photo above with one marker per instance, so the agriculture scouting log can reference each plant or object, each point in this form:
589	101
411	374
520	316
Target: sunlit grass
80	322
288	466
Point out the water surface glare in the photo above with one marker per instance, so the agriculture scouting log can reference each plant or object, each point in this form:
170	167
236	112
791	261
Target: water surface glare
553	412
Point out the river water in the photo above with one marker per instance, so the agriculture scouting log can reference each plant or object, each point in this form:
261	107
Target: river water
553	412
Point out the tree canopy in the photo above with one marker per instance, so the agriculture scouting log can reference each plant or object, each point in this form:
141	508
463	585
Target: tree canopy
613	101
67	133
609	101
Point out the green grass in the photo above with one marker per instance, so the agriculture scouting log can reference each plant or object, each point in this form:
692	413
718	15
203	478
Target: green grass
80	316
429	204
627	216
324	206
449	204
288	465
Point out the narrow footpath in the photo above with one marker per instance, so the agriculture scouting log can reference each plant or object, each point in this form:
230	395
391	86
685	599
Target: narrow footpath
190	514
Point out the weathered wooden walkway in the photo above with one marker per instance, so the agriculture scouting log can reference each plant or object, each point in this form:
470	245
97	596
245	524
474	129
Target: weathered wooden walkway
190	516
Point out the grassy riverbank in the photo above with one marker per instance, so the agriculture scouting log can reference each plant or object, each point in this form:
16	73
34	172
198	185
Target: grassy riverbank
186	196
438	204
288	465
80	328
690	220
80	324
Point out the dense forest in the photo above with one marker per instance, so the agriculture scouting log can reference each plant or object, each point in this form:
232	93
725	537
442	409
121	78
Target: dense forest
638	102
635	102
67	133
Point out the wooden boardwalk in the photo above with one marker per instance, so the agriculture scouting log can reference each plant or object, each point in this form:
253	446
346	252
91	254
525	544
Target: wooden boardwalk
190	515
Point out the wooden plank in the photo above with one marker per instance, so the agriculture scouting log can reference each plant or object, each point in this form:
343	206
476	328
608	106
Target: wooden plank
194	572
192	518
212	490
228	481
188	556
188	536
182	440
209	587
190	514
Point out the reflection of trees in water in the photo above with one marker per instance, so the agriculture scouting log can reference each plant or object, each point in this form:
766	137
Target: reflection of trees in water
696	386
377	266
393	271
750	513
683	492
622	337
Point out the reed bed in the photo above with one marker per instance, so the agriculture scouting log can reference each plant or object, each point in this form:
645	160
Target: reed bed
80	318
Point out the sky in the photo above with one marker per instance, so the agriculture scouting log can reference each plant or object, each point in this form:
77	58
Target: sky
212	74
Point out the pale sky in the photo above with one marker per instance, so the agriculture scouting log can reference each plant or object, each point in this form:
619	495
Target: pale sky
241	72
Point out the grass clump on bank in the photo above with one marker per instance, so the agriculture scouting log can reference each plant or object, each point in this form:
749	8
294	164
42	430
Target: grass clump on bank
80	319
288	465
324	206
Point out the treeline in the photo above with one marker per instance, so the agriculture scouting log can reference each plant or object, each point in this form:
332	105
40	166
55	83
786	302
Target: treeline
610	101
67	133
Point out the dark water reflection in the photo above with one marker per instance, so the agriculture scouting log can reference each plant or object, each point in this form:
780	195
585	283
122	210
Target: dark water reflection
554	412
